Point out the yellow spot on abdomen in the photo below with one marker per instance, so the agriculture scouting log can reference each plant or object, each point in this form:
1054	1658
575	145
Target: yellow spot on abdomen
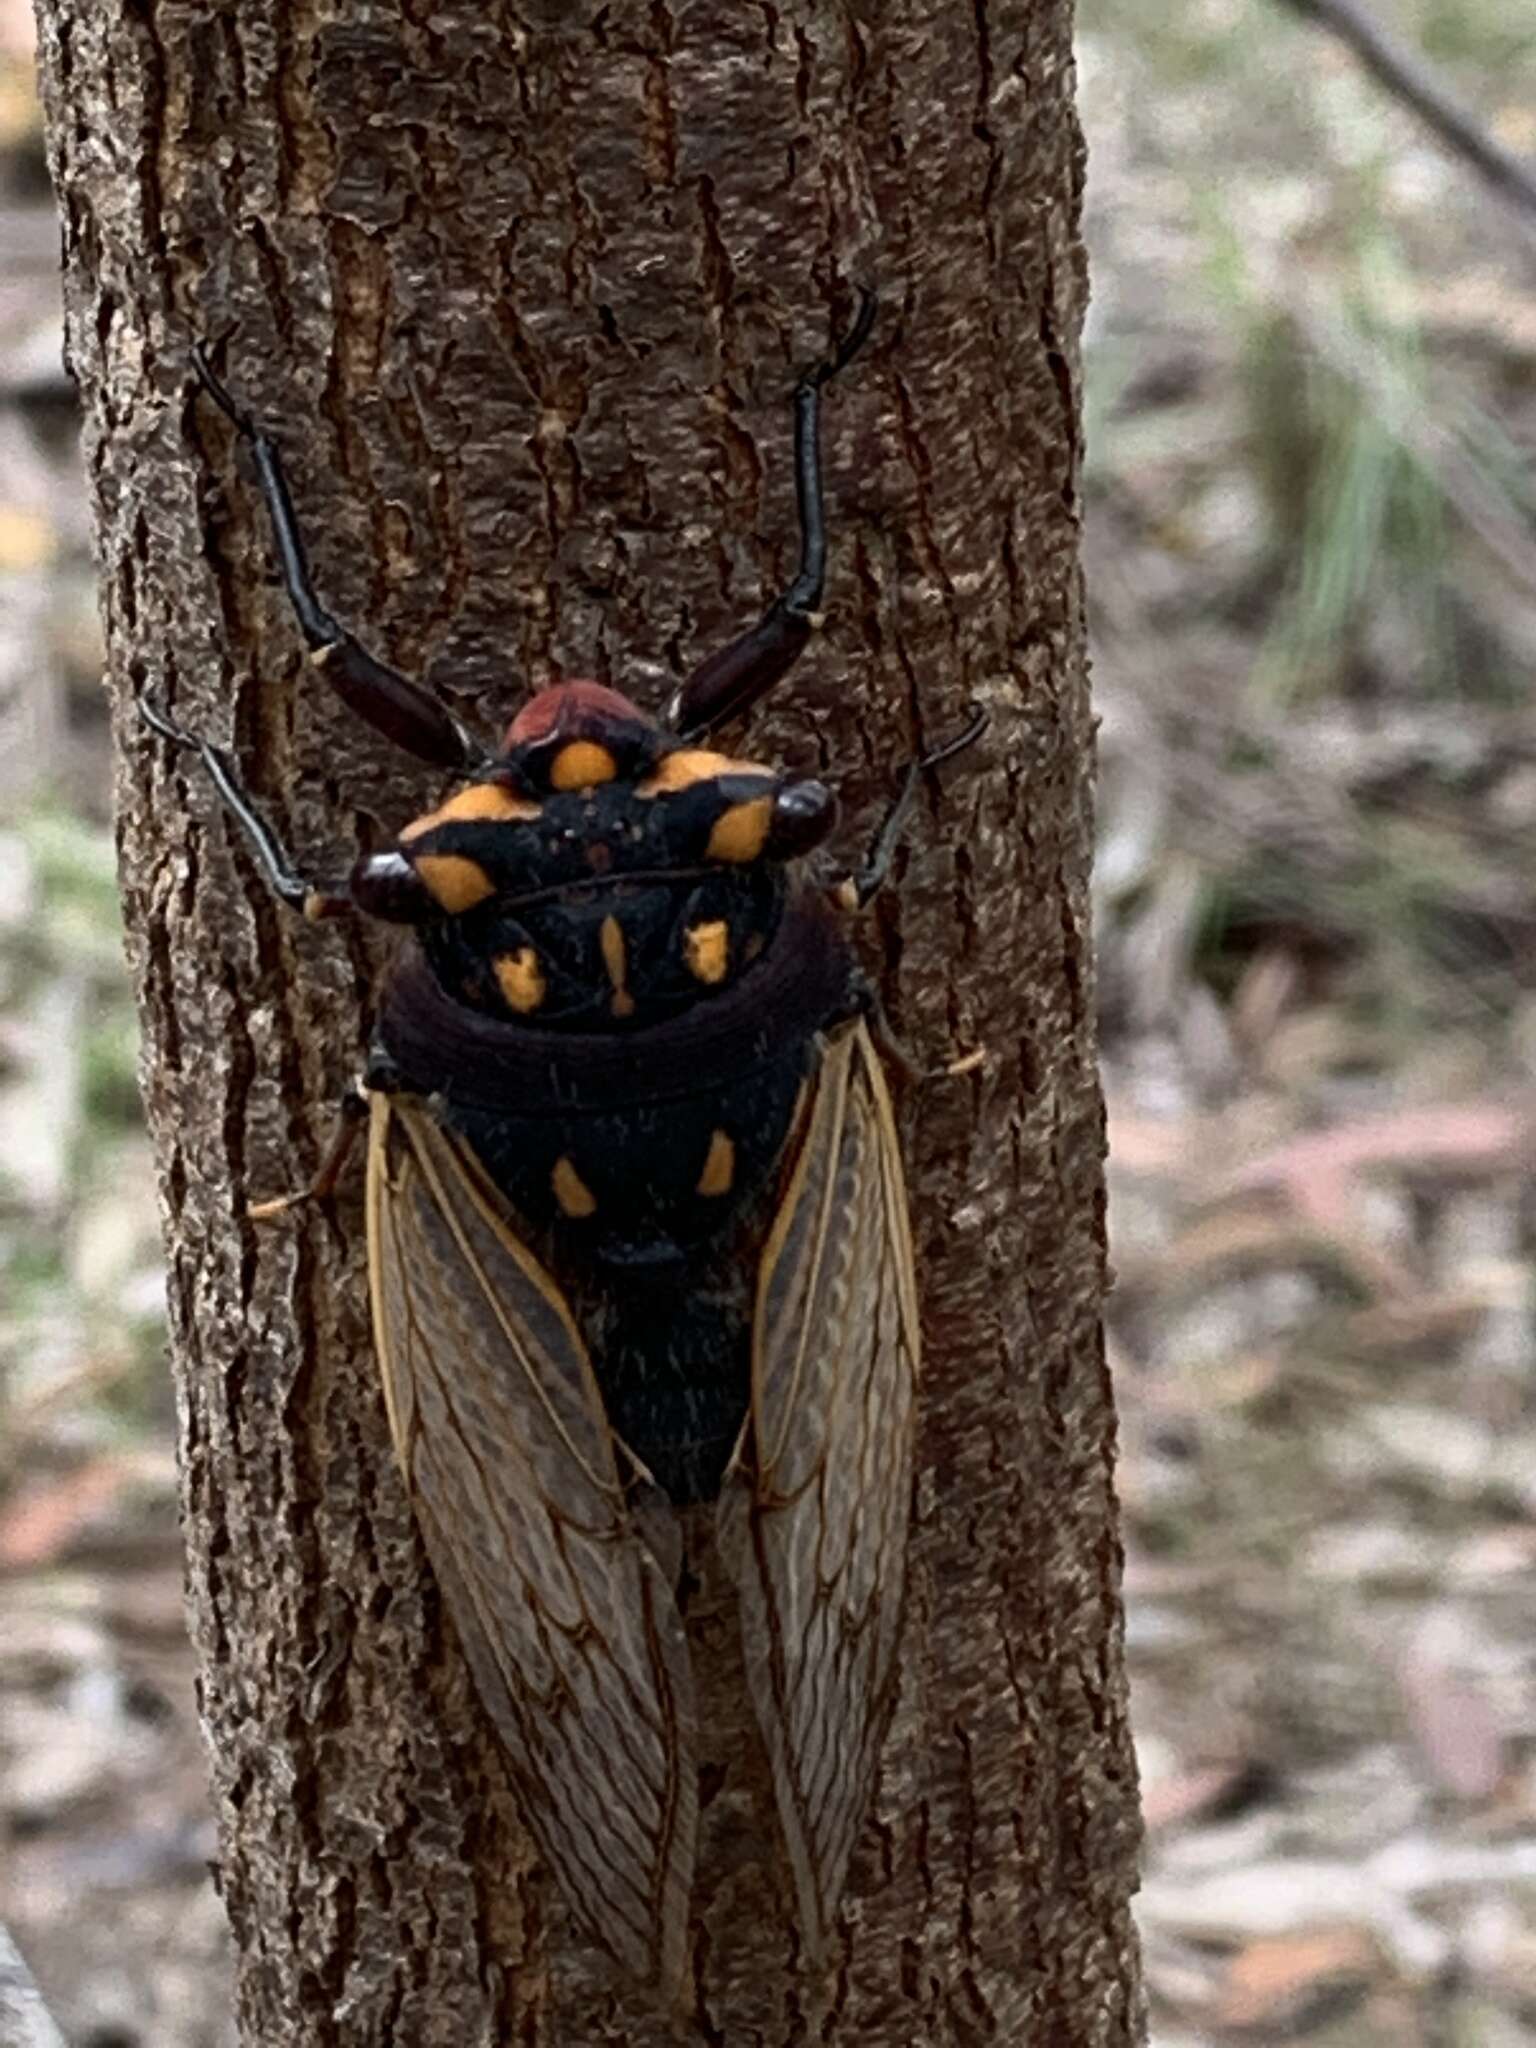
740	833
707	949
719	1166
488	802
581	764
616	960
457	883
521	979
571	1191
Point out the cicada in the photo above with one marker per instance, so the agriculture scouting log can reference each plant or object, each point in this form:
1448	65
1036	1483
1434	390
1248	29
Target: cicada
637	1232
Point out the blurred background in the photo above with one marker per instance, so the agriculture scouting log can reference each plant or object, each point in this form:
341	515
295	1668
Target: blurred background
1311	537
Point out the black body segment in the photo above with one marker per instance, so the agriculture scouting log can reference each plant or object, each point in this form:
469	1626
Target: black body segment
637	1235
644	1170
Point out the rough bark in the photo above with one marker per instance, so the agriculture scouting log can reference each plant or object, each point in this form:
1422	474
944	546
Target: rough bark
528	286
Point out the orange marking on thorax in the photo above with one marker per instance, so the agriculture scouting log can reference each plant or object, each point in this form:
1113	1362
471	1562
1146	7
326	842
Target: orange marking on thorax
690	765
616	959
488	801
740	833
521	979
707	949
457	883
582	764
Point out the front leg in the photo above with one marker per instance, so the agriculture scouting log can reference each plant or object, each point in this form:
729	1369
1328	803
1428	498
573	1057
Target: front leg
309	898
731	682
390	702
302	895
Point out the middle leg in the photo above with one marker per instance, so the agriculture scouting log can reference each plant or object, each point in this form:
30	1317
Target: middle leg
859	887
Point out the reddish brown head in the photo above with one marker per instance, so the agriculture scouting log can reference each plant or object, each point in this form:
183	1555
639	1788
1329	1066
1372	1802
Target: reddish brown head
579	734
575	710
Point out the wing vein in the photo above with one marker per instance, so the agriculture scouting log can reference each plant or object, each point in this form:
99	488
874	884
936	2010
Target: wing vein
817	1527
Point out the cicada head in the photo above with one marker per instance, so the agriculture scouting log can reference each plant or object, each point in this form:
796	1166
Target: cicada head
600	870
582	736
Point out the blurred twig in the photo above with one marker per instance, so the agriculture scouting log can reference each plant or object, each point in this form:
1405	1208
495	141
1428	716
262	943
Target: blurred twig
1486	510
1411	81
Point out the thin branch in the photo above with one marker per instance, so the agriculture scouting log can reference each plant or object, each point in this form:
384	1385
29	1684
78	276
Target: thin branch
1421	430
1403	74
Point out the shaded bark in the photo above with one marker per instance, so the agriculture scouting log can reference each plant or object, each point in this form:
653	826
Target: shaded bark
525	290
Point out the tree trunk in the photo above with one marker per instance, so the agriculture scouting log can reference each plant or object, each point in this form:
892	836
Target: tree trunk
523	292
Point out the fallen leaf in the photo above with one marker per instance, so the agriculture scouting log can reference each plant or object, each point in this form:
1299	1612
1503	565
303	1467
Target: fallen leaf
1412	1323
1267	990
1287	1981
1181	1796
1316	1170
1454	1726
40	1524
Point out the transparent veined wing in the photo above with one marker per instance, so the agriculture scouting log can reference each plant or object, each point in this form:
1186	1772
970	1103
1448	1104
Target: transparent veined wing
814	1522
528	1509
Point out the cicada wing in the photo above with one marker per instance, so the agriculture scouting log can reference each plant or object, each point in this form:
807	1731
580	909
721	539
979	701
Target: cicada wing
569	1623
815	1517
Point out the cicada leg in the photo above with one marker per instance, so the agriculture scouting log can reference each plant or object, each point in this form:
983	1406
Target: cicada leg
855	890
390	702
311	899
731	681
381	885
351	1115
380	1076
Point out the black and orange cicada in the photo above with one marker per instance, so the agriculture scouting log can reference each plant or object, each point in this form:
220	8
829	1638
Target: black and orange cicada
637	1233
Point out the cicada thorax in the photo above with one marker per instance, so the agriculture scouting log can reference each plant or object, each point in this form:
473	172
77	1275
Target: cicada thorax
602	875
617	1004
602	912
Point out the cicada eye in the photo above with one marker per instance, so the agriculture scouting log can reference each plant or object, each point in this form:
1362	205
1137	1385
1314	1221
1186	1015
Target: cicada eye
387	885
804	813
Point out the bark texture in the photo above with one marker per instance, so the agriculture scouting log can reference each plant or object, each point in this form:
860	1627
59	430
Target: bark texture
528	286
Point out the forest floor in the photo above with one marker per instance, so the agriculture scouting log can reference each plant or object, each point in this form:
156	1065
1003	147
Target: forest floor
1311	536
